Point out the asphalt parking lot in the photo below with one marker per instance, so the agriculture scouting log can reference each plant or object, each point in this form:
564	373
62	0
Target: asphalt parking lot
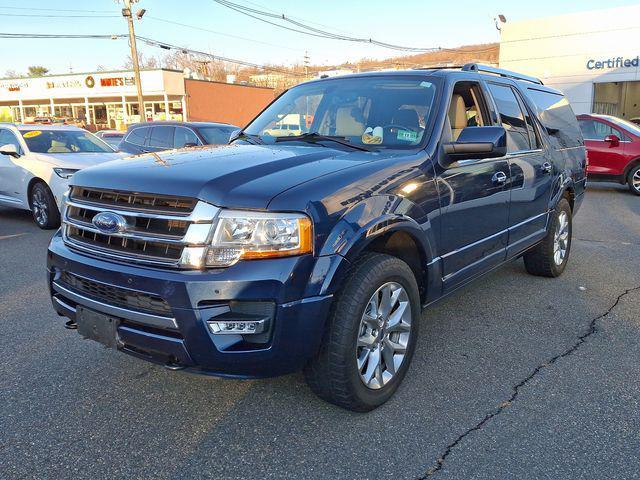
514	377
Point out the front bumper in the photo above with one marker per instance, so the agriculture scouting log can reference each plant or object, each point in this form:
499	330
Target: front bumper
300	288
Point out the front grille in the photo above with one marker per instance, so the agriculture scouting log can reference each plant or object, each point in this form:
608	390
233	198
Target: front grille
131	200
120	297
160	229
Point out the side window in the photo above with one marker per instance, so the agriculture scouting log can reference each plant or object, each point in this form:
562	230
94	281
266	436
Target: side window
184	136
8	138
594	130
557	118
513	119
534	139
466	108
137	136
161	137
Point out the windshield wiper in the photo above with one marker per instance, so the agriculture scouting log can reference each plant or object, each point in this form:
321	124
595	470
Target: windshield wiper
241	135
314	137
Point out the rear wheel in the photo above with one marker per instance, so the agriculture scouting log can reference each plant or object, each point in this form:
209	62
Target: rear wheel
633	180
370	336
549	257
43	207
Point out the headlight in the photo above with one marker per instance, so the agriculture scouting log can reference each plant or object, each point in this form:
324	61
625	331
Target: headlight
243	235
65	173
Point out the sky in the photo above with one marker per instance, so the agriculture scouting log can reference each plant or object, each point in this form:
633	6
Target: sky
221	31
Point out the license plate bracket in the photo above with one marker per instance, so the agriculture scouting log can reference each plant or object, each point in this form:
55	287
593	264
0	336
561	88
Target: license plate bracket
97	326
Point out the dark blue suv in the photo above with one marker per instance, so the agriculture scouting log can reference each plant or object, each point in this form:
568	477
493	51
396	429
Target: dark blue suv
318	250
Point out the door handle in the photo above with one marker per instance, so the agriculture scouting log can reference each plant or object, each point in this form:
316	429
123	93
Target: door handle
546	167
499	178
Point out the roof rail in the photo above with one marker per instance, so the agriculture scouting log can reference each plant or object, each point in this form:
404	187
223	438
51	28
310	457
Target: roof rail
478	67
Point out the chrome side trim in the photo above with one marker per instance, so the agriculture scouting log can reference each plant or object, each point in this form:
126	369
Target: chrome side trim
138	317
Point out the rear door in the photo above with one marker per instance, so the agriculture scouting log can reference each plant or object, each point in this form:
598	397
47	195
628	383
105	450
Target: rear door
605	158
532	168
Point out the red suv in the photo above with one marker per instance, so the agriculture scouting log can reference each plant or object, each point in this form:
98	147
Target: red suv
613	145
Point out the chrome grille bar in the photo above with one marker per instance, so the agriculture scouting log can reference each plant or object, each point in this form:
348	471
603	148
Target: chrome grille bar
152	237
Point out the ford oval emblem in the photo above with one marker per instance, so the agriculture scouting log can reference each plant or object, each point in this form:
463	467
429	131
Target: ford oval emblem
109	223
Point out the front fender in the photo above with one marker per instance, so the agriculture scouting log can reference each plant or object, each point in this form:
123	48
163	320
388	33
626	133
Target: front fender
370	219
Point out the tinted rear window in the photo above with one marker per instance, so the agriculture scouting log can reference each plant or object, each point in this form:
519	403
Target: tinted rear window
137	136
161	137
557	118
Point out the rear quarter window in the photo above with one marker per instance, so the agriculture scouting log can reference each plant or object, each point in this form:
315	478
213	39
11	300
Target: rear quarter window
137	136
557	118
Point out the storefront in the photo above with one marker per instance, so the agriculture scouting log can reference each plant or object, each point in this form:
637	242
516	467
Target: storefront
100	100
593	57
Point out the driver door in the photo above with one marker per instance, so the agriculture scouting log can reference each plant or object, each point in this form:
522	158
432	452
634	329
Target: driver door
474	197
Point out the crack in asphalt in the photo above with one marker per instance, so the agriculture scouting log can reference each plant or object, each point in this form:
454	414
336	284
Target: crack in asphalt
592	329
593	240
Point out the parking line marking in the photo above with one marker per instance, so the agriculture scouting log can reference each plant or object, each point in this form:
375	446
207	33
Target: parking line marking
12	236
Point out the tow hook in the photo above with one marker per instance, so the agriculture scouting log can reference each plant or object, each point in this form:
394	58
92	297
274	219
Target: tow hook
173	366
71	325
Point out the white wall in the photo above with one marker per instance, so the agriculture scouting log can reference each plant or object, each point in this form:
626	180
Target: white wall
557	49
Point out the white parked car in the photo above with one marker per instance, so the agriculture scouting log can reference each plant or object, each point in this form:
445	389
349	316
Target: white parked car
37	161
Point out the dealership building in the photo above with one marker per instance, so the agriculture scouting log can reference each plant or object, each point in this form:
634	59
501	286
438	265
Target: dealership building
100	100
593	57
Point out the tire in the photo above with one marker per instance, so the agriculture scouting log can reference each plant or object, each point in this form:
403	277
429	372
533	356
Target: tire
334	374
548	259
633	179
43	207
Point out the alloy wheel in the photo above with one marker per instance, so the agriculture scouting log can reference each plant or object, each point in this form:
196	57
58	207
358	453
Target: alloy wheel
383	335
561	238
635	180
40	208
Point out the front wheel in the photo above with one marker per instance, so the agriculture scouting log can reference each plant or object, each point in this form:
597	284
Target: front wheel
370	336
549	258
43	207
634	180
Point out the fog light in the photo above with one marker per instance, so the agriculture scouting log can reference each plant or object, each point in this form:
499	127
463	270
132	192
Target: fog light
235	327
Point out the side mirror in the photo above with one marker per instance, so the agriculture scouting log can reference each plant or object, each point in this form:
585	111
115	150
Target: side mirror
9	149
475	143
612	140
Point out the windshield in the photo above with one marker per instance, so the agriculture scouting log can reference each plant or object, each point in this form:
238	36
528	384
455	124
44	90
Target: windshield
63	141
377	111
217	135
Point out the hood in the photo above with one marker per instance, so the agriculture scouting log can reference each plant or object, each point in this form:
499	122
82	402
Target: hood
78	160
240	176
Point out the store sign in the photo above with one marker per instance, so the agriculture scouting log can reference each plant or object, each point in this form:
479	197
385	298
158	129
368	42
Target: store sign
615	62
117	81
13	86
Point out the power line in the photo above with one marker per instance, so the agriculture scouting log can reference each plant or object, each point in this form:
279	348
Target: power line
55	9
64	35
168	46
312	31
237	37
55	16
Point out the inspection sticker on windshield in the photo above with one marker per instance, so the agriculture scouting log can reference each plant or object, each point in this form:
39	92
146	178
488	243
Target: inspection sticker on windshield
33	133
407	135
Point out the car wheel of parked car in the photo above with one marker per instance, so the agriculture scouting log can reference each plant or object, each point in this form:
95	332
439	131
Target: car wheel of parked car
370	336
43	207
549	257
634	180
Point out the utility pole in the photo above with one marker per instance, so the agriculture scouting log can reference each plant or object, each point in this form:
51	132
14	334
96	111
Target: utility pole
306	64
126	12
